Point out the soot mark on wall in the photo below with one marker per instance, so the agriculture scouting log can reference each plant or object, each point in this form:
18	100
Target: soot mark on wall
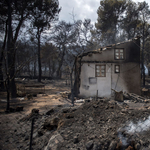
92	80
86	87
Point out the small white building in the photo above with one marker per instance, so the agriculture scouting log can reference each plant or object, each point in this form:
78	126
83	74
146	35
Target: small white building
115	67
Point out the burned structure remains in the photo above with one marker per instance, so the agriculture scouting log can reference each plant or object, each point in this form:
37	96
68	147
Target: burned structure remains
114	67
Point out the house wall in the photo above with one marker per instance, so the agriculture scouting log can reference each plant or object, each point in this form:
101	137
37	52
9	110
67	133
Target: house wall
131	53
127	80
90	84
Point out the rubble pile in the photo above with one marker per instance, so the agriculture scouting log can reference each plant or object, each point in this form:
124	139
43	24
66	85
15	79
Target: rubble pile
100	124
135	98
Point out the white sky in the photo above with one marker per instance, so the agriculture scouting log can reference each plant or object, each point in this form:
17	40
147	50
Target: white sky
82	9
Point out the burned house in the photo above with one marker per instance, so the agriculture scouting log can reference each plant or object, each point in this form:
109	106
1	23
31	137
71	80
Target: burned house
114	67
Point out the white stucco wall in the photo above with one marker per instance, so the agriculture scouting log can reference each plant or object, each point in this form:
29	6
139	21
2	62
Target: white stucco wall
129	75
103	84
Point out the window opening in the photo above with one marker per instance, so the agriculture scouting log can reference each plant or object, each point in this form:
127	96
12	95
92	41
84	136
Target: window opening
100	70
117	69
119	54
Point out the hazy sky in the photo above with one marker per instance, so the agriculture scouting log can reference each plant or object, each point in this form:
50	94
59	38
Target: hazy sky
82	9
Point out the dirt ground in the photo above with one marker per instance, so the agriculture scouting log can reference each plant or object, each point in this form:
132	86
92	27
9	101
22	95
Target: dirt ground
95	124
10	126
47	98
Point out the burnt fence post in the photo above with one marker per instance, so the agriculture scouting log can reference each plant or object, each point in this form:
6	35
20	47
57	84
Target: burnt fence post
31	136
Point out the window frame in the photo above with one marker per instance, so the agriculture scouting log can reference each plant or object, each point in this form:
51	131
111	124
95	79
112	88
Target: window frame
119	53
100	70
118	69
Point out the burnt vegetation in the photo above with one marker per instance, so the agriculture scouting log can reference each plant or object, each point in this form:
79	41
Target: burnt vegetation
38	52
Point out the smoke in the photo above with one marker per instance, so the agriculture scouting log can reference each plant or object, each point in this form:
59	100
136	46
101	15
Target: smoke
131	129
139	127
123	139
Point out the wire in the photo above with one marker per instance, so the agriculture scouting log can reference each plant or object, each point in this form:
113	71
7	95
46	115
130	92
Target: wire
117	81
114	70
119	76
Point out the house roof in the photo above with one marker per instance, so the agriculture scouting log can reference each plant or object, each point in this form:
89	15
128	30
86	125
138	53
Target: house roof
108	47
113	45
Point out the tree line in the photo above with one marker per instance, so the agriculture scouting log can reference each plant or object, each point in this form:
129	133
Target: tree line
34	43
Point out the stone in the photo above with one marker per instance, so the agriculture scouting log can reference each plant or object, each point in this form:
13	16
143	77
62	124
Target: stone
29	96
41	132
90	119
130	148
137	146
89	145
87	100
12	109
23	135
65	110
50	112
60	124
112	145
35	134
95	106
75	140
119	146
34	95
26	137
92	137
97	146
19	108
36	111
54	141
51	124
69	116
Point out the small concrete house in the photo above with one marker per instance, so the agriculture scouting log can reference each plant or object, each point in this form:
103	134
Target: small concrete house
114	67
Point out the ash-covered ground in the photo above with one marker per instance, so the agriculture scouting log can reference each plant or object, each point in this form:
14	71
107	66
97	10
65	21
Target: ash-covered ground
102	125
95	125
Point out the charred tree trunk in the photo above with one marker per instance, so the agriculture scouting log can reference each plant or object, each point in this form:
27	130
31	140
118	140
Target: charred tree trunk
11	54
59	70
13	84
72	90
45	70
11	51
60	63
8	94
149	71
39	56
1	59
1	73
49	66
34	68
77	73
9	43
53	68
29	72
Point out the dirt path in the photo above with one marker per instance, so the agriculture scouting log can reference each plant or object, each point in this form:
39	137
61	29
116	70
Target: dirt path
15	134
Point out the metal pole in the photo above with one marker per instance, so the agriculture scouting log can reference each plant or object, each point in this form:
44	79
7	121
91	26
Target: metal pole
97	95
32	124
143	68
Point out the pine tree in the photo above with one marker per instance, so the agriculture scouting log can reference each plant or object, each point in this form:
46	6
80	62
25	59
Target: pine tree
109	16
44	13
